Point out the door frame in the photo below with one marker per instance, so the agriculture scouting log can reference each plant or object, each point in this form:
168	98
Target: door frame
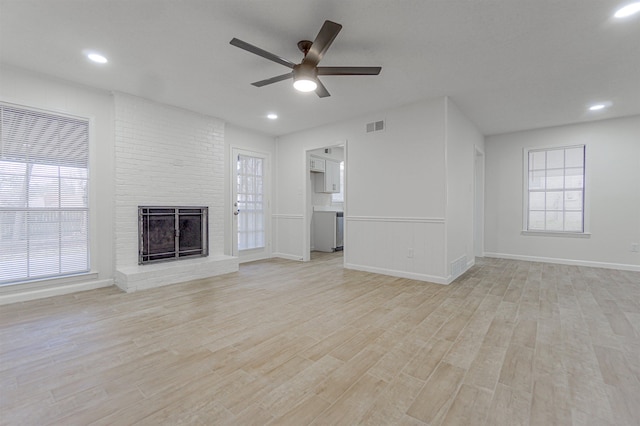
478	201
307	207
253	254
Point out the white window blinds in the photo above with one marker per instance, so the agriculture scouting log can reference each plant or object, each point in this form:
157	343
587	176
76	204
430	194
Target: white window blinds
44	182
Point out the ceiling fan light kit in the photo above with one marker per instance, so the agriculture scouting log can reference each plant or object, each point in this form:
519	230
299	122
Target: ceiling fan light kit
305	78
304	85
305	74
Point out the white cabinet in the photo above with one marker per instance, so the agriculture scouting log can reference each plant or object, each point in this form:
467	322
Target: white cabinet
316	164
329	181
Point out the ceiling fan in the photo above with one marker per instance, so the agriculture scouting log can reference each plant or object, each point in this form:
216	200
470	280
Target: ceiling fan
305	74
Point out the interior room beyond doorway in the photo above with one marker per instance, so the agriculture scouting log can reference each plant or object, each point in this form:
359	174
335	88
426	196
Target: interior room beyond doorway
326	199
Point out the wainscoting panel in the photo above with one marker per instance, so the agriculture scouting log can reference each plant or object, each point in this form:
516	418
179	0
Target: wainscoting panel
287	236
404	247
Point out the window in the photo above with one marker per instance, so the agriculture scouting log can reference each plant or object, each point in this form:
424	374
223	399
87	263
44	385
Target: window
338	197
44	186
250	191
555	189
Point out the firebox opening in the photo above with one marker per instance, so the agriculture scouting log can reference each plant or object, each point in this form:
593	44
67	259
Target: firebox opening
172	233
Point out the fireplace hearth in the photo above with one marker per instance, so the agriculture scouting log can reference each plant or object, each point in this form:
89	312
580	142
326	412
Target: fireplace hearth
172	233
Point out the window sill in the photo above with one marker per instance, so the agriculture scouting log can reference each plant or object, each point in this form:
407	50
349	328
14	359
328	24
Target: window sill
557	234
51	281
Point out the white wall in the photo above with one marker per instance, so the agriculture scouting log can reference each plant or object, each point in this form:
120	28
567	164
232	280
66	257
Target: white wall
463	138
395	208
291	183
612	195
38	91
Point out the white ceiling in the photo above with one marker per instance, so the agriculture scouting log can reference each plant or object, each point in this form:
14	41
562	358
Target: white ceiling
508	64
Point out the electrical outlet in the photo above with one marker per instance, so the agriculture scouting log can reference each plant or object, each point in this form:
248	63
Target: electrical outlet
410	253
635	247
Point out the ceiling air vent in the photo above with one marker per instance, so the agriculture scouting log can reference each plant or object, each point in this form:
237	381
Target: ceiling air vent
375	126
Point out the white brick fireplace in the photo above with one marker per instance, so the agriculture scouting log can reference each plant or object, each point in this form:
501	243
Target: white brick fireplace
166	156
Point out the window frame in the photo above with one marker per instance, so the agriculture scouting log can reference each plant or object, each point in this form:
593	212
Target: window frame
585	233
37	281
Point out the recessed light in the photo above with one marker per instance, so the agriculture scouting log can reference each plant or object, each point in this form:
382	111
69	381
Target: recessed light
599	106
97	58
628	10
272	116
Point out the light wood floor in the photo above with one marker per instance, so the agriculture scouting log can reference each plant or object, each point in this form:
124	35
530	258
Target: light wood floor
282	342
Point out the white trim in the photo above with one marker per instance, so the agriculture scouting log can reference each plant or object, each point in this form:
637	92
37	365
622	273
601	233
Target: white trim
557	234
287	256
588	263
41	293
234	151
525	186
479	188
445	244
287	216
251	255
47	282
395	219
401	274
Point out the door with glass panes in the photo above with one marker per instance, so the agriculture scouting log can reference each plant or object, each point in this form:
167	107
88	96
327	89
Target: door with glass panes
250	205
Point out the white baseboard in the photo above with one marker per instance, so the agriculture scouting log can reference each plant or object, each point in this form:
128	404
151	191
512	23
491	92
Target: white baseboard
41	293
589	263
401	274
253	257
287	256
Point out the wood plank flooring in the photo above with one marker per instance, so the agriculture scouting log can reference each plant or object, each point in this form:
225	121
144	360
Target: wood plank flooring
289	343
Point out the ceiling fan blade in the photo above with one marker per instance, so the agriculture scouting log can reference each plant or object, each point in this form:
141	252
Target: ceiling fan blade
260	52
349	70
321	91
323	40
273	79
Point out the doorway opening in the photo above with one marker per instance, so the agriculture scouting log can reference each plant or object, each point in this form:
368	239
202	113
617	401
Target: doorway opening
325	202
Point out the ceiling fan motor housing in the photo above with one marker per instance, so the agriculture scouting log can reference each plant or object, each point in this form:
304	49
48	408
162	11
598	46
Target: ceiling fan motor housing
305	71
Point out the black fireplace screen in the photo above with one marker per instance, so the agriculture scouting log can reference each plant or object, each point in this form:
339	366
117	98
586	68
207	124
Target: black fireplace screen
171	233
